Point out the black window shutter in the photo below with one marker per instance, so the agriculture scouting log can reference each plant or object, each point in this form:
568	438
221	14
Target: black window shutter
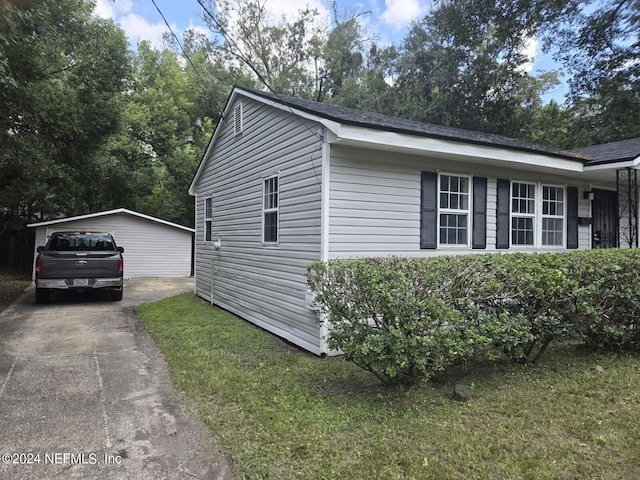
429	210
479	239
572	217
502	213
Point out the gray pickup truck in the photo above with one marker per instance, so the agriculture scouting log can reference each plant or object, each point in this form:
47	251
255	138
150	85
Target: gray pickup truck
79	261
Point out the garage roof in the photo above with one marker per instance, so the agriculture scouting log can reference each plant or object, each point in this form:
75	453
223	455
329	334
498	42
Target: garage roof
111	212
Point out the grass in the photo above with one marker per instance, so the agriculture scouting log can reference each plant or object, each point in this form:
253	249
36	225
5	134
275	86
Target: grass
281	413
12	285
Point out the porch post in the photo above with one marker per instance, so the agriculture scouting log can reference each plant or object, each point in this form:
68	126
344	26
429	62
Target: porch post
627	187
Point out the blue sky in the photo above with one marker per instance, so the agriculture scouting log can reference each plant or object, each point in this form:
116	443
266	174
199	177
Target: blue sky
388	20
140	19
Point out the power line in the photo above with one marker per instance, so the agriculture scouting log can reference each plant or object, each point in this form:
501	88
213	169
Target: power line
184	52
233	43
243	57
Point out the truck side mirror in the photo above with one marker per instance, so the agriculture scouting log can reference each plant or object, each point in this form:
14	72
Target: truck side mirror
121	250
40	248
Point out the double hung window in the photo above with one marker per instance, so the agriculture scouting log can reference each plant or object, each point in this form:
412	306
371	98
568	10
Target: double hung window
208	216
537	214
270	209
552	215
454	221
523	213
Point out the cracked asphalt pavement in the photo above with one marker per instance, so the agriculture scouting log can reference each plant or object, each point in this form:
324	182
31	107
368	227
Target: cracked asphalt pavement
84	393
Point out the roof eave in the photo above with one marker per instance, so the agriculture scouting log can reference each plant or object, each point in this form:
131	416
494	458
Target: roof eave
632	162
110	212
446	147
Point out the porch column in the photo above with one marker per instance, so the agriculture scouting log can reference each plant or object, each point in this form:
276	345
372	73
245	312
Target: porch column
627	186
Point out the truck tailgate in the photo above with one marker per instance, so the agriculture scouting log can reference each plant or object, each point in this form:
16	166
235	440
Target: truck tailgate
79	264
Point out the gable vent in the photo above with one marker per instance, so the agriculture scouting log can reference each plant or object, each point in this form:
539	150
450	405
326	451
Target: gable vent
237	119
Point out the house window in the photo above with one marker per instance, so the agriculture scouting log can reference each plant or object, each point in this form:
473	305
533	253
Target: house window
270	210
208	215
237	120
537	214
552	215
454	209
523	213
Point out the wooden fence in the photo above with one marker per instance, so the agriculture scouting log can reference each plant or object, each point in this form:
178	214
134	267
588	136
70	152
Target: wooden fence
16	250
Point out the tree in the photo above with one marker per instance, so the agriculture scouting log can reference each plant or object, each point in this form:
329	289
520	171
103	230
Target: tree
372	90
276	52
463	65
339	59
59	101
161	141
601	49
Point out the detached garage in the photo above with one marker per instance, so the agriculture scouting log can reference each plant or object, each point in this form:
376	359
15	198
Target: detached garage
152	247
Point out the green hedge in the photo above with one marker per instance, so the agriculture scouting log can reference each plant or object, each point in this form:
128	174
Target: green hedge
405	319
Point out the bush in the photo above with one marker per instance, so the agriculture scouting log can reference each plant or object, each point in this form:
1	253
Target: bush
390	316
532	304
608	303
405	319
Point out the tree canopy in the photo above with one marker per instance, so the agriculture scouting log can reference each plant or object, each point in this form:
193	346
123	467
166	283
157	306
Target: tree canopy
87	123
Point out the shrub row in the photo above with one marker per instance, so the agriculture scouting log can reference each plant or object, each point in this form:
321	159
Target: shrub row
405	319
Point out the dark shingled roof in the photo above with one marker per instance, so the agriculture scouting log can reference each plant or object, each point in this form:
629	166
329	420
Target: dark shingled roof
611	152
377	121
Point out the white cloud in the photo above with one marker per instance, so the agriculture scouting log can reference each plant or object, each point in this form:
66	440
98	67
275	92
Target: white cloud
111	9
290	8
138	28
399	13
530	50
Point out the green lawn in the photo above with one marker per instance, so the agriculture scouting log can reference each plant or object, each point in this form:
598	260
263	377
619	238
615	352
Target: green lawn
12	285
284	414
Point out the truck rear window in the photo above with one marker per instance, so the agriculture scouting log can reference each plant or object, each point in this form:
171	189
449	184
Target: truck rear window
65	242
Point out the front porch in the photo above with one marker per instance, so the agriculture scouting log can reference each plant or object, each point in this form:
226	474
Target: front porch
613	192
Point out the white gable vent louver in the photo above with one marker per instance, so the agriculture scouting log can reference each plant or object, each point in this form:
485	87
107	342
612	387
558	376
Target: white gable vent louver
237	119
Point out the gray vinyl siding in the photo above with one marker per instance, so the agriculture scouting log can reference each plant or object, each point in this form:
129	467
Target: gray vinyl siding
264	284
151	249
375	202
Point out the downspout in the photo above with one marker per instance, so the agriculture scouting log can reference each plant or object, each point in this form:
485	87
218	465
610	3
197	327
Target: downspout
211	293
217	244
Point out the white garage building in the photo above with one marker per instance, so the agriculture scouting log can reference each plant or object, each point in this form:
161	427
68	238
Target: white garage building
152	247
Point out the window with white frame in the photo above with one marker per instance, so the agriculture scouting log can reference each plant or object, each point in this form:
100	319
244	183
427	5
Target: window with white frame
453	208
523	213
537	214
270	209
552	215
208	215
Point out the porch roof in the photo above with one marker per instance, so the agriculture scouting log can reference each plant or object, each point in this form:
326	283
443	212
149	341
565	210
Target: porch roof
615	152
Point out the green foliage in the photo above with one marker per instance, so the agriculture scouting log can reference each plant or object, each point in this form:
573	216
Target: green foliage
391	317
62	75
407	319
600	50
12	285
86	126
463	65
608	299
278	412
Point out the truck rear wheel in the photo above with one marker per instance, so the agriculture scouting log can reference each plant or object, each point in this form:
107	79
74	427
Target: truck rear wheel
42	295
116	295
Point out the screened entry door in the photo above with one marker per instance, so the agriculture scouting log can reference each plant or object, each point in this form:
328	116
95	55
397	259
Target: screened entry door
605	219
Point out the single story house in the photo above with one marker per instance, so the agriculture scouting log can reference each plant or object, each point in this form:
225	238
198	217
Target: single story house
286	182
152	247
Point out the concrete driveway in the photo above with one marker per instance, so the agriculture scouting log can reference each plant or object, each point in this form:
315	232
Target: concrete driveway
84	393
